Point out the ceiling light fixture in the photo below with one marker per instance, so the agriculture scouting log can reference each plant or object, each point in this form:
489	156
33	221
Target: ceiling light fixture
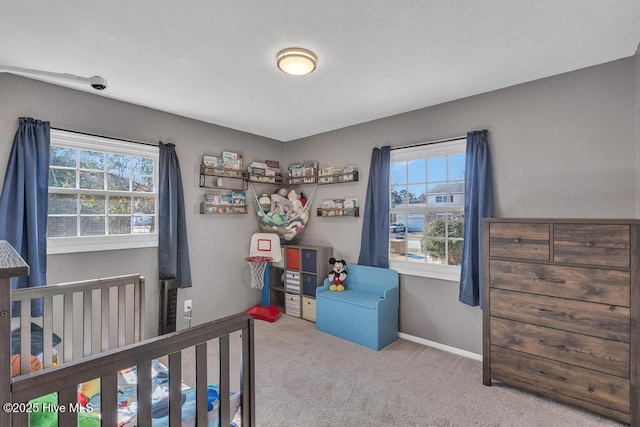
96	82
296	61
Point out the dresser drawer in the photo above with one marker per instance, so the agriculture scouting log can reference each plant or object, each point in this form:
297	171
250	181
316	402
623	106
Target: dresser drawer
599	320
609	357
519	240
586	284
593	244
561	380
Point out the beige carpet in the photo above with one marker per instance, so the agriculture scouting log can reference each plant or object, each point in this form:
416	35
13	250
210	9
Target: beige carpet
308	378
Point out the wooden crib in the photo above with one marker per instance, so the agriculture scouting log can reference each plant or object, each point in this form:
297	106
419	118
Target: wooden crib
101	326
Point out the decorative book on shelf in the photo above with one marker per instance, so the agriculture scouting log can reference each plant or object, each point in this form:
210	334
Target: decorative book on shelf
339	207
221	178
335	175
355	212
234	202
303	173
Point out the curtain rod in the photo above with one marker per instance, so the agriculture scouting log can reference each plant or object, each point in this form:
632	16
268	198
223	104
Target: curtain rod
436	141
103	136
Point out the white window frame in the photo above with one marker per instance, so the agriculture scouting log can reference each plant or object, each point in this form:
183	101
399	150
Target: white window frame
434	271
62	245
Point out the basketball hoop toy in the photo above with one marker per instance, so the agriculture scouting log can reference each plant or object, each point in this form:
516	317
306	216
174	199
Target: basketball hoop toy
258	266
265	248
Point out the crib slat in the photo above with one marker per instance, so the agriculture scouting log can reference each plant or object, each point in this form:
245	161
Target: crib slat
67	339
25	337
20	419
144	393
87	322
104	322
225	418
47	330
96	321
109	399
201	384
175	385
122	313
247	376
67	397
138	304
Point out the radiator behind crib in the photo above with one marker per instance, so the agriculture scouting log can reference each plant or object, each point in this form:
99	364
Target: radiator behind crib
168	312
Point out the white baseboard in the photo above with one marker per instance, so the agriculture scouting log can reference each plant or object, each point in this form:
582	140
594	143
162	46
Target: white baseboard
439	346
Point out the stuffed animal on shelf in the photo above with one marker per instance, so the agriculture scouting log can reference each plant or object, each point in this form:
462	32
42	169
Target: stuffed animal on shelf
338	274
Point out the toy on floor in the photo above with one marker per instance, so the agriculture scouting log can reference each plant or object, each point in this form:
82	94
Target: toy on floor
338	274
87	390
42	415
15	364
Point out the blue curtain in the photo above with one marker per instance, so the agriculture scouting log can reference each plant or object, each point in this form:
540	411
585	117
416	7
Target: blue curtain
478	204
374	244
24	203
173	251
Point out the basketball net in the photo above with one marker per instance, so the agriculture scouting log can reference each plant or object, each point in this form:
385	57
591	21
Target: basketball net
257	264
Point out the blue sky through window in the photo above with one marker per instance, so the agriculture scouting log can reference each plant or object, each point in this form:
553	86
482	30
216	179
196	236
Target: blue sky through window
429	170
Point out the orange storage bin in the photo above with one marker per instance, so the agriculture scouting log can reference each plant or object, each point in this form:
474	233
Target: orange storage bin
293	258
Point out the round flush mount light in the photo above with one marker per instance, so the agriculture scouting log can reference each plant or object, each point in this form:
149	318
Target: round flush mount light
296	61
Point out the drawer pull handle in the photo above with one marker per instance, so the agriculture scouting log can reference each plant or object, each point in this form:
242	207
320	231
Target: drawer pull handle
559	281
544	374
589	244
517	240
560	346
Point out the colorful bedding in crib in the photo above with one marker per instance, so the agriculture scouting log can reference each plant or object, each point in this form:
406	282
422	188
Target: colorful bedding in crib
89	399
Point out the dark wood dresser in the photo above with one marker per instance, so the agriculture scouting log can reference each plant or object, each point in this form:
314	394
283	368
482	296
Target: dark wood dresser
561	304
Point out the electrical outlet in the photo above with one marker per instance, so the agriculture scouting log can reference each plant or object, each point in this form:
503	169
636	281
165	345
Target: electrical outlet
188	305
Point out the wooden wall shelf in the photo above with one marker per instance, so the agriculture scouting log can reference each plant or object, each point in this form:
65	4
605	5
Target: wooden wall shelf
339	178
337	212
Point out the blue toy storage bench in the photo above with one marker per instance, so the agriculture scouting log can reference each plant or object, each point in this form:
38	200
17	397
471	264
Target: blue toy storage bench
366	312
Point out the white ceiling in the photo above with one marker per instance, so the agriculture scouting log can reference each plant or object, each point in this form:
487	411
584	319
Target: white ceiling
215	60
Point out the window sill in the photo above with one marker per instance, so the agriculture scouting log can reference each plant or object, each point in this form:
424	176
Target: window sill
66	245
442	272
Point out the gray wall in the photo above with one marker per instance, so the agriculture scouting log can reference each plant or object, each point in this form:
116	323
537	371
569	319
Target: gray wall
217	243
637	94
564	146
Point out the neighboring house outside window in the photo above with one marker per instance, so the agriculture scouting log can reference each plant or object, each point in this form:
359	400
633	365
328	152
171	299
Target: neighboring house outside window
427	209
102	194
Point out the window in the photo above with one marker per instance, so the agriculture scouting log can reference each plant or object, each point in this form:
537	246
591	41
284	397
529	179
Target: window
102	194
427	196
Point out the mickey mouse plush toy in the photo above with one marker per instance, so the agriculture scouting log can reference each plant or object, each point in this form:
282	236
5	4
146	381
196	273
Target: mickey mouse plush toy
338	274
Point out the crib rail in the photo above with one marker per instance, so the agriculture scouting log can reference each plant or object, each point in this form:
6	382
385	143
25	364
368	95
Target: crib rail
90	316
65	379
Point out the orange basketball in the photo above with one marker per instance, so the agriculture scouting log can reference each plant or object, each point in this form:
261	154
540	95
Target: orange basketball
15	364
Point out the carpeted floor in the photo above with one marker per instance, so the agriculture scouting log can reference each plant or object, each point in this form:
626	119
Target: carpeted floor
307	378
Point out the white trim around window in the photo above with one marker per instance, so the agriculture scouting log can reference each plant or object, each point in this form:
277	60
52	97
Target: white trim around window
432	271
66	245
